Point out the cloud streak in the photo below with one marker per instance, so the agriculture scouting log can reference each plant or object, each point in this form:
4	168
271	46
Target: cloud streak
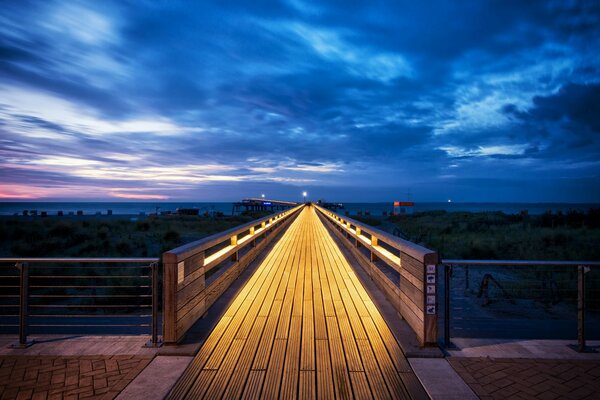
222	100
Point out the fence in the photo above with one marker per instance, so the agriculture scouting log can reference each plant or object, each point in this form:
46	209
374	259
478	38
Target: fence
196	274
521	299
79	295
405	272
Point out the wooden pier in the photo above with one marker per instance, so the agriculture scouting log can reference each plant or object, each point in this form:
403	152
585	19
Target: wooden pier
303	326
260	204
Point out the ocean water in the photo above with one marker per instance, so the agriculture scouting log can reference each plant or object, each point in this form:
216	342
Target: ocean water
135	208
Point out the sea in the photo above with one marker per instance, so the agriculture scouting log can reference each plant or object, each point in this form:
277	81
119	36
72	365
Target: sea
145	208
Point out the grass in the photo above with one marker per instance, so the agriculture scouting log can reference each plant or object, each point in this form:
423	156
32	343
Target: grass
495	235
107	237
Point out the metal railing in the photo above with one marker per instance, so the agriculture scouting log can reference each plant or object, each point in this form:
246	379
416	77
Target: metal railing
76	294
519	285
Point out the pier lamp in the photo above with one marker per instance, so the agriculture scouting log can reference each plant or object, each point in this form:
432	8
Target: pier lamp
304	195
262	195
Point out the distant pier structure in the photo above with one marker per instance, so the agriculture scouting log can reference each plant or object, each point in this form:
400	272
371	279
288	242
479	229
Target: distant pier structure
256	204
330	206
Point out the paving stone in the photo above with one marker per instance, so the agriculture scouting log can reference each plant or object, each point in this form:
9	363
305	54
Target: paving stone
56	377
529	378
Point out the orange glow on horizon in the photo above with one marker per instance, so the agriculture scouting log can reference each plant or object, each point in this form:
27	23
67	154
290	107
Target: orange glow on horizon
21	192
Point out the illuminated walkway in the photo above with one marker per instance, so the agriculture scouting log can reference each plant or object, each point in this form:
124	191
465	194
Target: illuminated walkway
303	326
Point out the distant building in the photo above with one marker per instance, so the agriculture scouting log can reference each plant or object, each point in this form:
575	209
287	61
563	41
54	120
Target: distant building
403	207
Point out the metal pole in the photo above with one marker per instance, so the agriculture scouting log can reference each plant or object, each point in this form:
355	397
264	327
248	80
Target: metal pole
581	307
154	340
447	306
23	306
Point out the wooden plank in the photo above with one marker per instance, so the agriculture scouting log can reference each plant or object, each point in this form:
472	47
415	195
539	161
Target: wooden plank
374	375
307	356
349	342
201	384
254	385
306	385
386	365
289	383
274	370
360	385
324	373
341	378
238	379
221	379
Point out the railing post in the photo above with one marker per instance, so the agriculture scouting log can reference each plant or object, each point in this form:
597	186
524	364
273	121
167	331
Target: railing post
374	242
581	271
23	306
155	293
447	271
234	242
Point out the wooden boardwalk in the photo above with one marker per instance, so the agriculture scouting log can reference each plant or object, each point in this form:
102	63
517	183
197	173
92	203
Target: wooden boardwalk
303	326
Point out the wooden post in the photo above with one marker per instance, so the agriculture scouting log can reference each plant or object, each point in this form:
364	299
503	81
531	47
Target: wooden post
170	298
234	242
374	242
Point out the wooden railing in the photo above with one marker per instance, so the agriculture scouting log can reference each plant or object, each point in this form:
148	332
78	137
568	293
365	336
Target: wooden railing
197	274
404	271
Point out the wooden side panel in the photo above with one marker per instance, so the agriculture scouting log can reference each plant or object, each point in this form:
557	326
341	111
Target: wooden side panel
409	297
186	297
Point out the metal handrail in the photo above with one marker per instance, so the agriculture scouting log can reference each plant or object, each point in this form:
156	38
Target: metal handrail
23	264
582	268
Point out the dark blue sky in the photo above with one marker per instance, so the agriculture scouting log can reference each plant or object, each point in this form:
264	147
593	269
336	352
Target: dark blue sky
351	101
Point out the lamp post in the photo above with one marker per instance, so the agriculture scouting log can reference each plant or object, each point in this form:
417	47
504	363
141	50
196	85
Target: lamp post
304	195
262	195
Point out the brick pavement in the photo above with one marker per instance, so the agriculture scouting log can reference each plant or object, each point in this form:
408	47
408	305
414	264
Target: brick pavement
530	378
77	377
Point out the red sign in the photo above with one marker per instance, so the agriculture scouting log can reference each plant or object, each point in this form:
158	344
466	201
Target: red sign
404	203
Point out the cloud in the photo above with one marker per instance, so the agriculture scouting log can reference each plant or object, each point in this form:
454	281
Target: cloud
192	100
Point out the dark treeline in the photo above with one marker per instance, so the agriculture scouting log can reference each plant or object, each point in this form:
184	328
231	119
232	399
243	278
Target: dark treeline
106	237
